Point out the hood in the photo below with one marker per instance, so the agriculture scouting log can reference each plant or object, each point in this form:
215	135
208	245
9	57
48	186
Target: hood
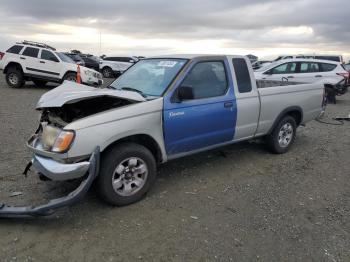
70	92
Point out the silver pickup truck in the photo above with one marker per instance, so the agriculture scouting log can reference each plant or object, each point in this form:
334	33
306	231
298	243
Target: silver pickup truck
160	109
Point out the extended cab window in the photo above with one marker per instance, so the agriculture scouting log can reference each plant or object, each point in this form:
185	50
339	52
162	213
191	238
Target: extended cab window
30	51
327	67
242	75
47	55
286	68
15	49
207	79
307	67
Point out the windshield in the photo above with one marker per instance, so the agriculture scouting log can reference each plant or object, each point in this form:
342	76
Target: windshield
151	77
65	58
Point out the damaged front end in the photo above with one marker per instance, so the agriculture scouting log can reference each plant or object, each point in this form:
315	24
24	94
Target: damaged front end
52	141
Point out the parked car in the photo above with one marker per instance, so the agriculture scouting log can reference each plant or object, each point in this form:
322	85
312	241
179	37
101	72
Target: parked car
161	109
334	58
283	57
92	62
112	66
260	64
76	58
40	63
305	71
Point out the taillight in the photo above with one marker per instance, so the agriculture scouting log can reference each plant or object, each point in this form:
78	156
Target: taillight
345	75
1	55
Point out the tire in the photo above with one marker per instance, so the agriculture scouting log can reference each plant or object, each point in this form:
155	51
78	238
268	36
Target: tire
70	77
14	77
282	136
40	83
107	72
127	173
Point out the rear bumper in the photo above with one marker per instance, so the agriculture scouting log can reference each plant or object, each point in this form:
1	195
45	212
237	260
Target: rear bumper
54	204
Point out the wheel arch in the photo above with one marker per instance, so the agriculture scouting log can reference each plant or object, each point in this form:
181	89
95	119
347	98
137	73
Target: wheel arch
294	111
142	139
13	64
68	72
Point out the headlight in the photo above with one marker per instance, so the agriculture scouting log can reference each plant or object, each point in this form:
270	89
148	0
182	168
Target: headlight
49	135
63	141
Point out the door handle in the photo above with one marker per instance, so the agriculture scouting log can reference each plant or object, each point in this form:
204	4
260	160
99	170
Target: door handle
318	76
23	58
228	104
42	62
290	77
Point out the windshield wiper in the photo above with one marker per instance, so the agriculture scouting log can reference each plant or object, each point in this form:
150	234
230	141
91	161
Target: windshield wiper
133	90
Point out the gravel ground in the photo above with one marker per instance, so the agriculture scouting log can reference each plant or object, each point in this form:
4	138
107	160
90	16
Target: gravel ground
239	203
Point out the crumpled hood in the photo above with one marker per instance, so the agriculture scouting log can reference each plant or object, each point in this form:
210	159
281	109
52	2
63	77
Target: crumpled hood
70	92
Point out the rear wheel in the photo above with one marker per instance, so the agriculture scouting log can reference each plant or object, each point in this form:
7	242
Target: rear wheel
40	83
107	72
14	77
127	172
282	136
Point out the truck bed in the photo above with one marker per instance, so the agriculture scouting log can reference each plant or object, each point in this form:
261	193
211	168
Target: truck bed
274	99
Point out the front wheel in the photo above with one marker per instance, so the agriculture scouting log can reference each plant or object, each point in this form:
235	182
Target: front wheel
282	136
70	77
127	172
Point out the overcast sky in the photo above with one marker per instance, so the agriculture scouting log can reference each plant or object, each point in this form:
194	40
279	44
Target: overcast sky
266	28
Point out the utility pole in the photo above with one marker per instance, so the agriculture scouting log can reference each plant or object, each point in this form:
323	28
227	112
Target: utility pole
100	43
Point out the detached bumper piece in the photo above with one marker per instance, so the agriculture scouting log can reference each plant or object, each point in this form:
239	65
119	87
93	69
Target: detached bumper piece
54	204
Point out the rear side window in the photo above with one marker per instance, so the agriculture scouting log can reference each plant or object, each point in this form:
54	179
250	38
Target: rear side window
242	75
47	55
306	67
30	51
327	67
15	49
207	79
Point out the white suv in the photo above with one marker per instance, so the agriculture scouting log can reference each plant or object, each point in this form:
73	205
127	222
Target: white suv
40	63
305	71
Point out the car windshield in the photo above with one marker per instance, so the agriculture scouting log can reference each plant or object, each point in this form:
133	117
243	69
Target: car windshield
65	58
150	77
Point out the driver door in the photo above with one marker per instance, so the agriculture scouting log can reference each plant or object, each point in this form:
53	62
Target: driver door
207	118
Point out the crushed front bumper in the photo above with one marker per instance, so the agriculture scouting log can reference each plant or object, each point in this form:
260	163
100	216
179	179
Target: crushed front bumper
57	171
92	167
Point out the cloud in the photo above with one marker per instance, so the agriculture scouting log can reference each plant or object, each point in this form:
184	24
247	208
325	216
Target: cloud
165	26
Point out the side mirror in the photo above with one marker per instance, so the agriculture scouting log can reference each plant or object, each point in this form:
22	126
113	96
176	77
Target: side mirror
131	61
185	93
269	72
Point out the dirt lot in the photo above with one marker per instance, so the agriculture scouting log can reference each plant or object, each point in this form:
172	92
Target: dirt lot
240	203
